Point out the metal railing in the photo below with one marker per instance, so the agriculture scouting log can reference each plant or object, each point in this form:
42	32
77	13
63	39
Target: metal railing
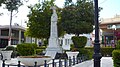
59	63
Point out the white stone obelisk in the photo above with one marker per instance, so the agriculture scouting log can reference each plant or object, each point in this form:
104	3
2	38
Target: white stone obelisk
53	46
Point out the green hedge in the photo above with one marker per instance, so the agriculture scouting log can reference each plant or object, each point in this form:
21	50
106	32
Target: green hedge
116	58
118	44
105	51
10	48
41	47
26	49
85	52
39	51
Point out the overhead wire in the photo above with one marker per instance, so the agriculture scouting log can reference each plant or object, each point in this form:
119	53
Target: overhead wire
102	2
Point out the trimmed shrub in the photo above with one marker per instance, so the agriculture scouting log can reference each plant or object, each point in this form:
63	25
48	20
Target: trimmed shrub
10	48
79	41
33	45
105	51
116	58
118	44
85	52
72	47
89	48
45	42
14	54
41	47
39	51
26	49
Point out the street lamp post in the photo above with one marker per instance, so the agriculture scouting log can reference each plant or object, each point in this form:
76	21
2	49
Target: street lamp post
97	55
114	28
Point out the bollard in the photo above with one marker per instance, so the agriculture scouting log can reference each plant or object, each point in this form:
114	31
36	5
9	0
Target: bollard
65	63
70	62
45	64
18	63
53	63
35	64
83	58
3	64
73	60
87	57
60	63
77	60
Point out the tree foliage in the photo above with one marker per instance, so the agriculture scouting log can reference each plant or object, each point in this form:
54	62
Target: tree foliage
78	18
1	1
12	4
40	19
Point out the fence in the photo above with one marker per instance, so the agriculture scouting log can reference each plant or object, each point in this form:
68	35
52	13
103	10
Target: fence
60	63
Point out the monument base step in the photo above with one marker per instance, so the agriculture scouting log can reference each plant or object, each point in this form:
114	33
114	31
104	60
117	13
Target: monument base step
52	51
61	55
56	49
52	54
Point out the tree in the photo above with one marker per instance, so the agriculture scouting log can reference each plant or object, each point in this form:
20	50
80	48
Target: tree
11	5
39	19
78	18
1	1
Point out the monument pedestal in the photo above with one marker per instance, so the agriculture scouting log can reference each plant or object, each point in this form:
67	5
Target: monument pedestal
53	48
56	49
53	45
52	51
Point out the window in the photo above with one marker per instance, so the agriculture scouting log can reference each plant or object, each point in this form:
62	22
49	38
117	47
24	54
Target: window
5	32
3	43
14	42
15	33
65	41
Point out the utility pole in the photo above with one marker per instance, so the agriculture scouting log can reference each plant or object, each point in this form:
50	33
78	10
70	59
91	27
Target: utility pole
12	5
11	11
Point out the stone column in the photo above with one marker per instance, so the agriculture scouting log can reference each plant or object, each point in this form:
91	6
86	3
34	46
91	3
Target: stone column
19	42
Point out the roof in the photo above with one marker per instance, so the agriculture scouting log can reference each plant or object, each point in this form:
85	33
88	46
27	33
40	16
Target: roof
13	27
114	20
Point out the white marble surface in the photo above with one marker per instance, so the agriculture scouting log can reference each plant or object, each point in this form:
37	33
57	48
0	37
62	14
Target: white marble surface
105	62
71	54
31	61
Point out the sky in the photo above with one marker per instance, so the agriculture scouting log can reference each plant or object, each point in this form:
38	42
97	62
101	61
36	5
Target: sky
110	9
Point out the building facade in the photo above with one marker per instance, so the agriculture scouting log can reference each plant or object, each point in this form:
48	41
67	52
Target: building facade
66	41
17	35
111	30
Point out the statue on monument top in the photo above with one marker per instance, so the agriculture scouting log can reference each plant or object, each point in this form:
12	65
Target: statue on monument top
54	16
